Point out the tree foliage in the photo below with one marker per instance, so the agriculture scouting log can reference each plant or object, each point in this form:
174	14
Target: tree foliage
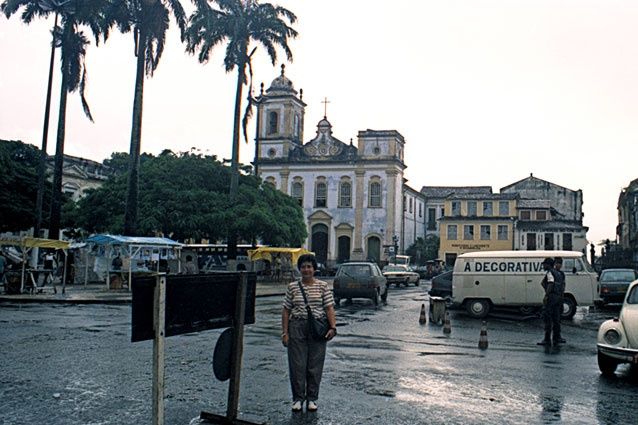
423	250
186	196
18	185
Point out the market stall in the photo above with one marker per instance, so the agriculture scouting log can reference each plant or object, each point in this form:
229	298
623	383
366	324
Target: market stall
30	275
282	261
133	254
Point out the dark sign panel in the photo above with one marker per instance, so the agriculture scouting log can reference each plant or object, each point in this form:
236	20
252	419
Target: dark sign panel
193	303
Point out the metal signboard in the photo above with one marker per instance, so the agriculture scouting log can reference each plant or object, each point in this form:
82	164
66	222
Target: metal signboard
193	303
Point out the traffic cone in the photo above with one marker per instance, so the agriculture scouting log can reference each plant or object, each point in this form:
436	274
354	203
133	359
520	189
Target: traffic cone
422	319
447	328
483	338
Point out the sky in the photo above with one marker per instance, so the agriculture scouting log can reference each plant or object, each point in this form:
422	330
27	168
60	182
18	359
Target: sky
485	92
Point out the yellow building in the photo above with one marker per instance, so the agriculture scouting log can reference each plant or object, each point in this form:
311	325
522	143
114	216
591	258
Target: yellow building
477	222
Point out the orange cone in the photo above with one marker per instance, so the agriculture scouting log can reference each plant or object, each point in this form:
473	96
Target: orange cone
447	328
422	319
483	338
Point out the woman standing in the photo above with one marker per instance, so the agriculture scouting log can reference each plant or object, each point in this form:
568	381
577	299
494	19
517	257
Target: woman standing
305	354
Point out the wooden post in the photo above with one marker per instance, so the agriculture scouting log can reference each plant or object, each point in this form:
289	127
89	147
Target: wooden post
159	314
238	348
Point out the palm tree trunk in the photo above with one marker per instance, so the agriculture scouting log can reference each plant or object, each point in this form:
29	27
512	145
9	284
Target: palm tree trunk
56	197
234	165
130	214
45	136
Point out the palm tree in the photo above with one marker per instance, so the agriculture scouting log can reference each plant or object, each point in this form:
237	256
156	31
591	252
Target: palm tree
71	40
239	23
149	20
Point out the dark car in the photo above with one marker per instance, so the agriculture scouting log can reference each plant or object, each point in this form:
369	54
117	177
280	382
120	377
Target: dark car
613	284
441	285
359	280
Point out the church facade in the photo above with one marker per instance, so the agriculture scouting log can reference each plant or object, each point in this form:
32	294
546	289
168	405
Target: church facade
355	199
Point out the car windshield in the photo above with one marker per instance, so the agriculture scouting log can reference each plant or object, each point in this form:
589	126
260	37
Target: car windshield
394	269
617	276
632	298
353	270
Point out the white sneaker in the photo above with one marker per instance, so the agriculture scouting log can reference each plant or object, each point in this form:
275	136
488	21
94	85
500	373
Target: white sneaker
312	406
296	406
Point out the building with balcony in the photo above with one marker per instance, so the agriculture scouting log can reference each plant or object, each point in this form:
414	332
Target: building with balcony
627	229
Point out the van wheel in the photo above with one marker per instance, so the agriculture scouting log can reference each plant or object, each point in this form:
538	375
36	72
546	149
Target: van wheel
606	364
569	307
477	308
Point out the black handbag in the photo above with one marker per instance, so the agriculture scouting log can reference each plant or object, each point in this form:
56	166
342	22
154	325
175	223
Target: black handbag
317	328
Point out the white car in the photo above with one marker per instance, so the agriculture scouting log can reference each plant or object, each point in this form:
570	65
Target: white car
618	338
400	274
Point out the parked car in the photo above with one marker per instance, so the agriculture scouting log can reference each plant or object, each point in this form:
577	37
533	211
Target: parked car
618	337
400	274
442	285
613	284
360	279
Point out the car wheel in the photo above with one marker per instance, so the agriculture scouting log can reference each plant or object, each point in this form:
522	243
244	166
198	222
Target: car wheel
606	364
417	282
384	296
477	308
569	308
375	298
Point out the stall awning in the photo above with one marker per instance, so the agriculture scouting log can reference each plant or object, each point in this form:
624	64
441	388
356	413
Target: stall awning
30	242
132	240
266	252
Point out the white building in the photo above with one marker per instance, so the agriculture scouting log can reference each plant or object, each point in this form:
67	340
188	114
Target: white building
355	199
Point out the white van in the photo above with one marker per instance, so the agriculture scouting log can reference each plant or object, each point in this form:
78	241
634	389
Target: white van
484	280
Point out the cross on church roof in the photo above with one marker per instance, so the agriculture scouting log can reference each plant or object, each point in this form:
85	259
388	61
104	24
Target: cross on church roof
325	102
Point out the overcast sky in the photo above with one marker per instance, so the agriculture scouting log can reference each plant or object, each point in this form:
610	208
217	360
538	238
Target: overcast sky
484	92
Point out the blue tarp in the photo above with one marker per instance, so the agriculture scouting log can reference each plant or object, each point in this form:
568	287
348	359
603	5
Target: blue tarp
132	240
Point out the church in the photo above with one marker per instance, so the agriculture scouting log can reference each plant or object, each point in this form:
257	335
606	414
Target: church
355	199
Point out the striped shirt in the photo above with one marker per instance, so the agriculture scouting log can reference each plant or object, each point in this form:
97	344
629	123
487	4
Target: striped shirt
319	297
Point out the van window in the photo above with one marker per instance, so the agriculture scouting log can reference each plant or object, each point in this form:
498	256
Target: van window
570	263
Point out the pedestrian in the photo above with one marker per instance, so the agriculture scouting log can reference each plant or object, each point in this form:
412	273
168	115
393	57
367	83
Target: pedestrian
117	263
306	355
49	259
552	303
560	283
189	266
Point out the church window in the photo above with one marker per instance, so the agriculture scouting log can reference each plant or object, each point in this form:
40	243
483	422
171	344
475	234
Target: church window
345	194
375	194
273	122
420	210
405	204
410	205
297	192
321	195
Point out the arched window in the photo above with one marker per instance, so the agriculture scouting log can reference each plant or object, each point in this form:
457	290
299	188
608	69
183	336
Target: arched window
297	124
273	122
345	194
375	194
321	195
297	192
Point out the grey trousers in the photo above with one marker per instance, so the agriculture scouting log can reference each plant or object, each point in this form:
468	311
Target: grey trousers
305	361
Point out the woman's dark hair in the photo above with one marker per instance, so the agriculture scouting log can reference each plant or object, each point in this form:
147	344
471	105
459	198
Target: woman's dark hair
307	258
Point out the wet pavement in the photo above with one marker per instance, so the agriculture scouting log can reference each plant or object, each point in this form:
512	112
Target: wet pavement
75	364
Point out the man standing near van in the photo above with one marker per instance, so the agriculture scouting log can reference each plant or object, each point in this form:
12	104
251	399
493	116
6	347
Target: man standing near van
553	303
560	283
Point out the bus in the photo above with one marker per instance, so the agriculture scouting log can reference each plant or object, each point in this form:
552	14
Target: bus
212	257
